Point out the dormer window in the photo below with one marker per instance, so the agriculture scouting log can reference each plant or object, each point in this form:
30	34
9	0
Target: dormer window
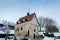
18	22
23	20
27	19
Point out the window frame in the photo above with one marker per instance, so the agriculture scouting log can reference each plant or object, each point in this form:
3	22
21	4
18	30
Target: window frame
34	30
17	29
21	28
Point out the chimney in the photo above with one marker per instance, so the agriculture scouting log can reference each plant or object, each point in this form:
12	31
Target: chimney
27	13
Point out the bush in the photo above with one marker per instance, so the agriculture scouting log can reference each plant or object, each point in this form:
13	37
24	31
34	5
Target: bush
52	29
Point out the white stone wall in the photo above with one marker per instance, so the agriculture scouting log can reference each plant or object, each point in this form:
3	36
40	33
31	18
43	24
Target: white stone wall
35	25
29	25
34	21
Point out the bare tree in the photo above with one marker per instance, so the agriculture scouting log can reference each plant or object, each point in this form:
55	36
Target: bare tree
52	29
41	22
44	22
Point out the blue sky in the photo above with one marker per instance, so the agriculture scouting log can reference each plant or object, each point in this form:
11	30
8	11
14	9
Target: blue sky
12	10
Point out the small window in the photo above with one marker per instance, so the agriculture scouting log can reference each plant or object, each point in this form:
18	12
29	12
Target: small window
17	29
27	19
28	32
34	30
18	22
21	28
23	20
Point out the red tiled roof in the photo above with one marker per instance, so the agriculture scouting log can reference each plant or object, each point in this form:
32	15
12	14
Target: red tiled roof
26	18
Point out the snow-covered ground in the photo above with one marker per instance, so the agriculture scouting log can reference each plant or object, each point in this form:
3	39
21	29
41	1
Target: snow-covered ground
47	38
57	33
11	32
50	38
41	33
2	38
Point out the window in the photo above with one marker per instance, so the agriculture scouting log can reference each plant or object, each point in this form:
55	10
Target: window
18	22
21	20
17	29
34	30
28	32
21	28
27	19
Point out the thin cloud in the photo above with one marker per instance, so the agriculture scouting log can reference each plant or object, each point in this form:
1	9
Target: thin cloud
14	9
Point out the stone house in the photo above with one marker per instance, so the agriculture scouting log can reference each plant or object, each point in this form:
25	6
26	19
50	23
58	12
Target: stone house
27	26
